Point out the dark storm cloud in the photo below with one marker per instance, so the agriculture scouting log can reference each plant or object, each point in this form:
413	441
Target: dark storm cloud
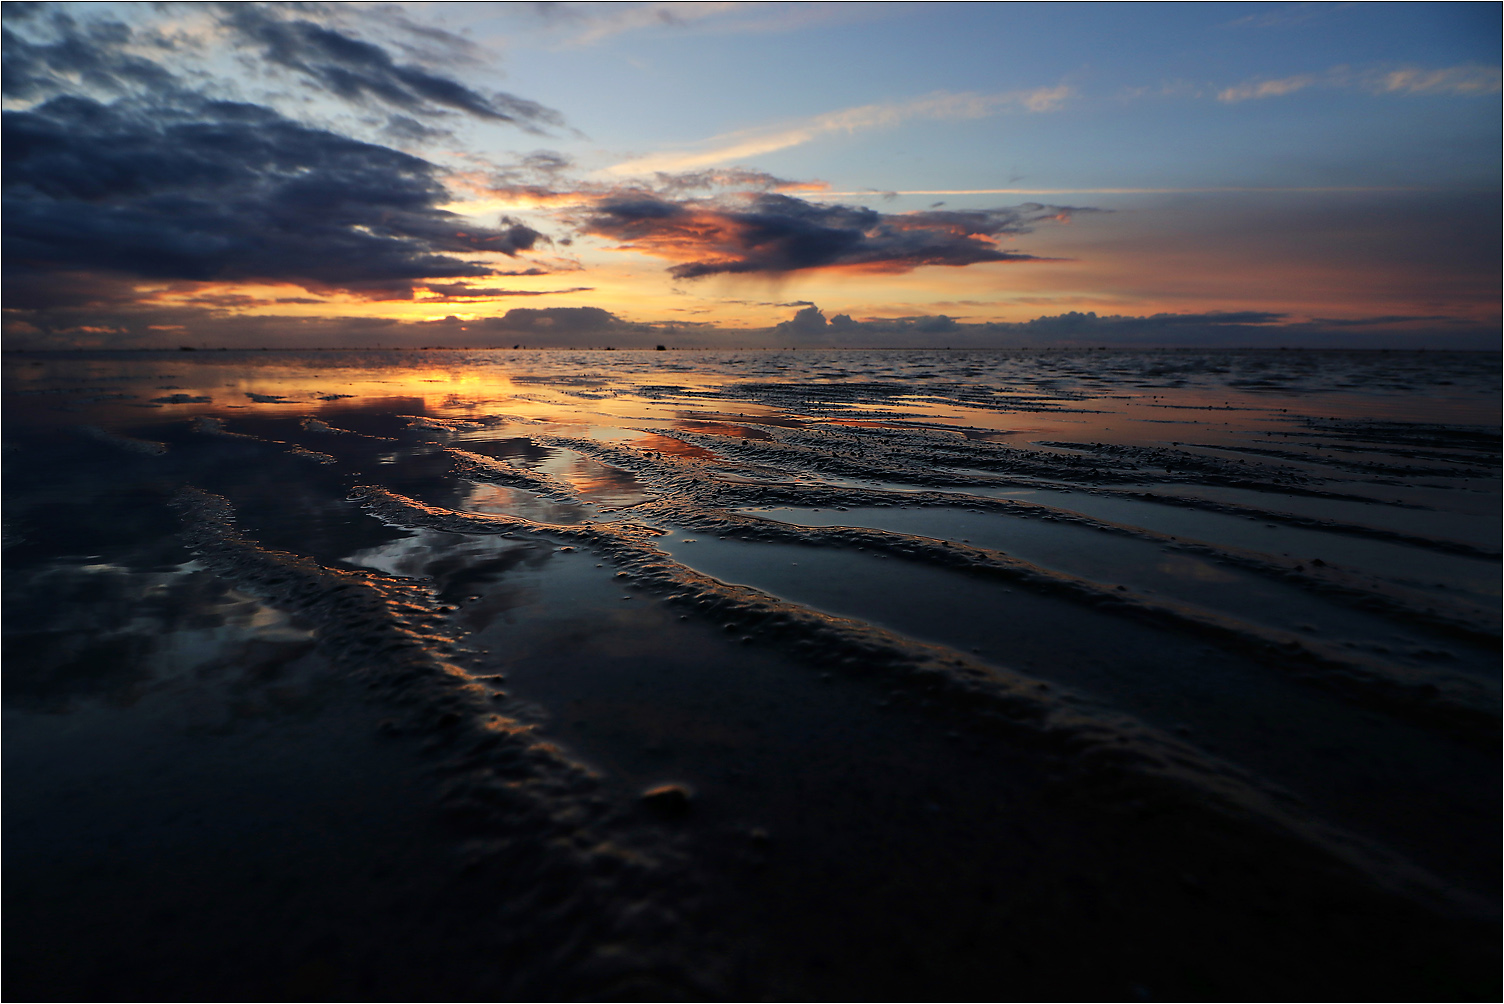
361	71
224	190
122	167
28	289
772	233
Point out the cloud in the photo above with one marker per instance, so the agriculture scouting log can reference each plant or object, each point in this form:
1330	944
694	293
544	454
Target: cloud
1267	88
1460	80
460	291
96	319
58	54
1457	81
539	181
1368	322
771	303
28	289
593	23
164	183
740	221
1287	16
740	178
754	142
1244	328
224	190
597	24
771	234
558	321
363	72
810	320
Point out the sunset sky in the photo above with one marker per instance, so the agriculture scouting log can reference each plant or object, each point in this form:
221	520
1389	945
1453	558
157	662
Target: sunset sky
751	174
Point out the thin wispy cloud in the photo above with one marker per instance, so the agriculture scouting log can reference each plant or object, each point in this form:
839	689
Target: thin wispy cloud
588	24
359	71
1462	81
1288	16
1254	90
755	142
592	24
1453	80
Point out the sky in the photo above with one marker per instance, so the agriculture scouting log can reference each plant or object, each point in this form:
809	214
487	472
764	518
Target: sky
751	174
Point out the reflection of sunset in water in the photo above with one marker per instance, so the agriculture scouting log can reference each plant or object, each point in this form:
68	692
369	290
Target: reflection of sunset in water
643	387
679	448
601	484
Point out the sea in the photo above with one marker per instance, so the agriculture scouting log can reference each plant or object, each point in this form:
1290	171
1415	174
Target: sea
751	675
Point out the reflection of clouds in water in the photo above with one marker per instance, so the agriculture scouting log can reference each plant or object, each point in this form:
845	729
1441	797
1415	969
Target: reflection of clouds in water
587	479
104	631
448	558
467	570
410	557
502	500
596	482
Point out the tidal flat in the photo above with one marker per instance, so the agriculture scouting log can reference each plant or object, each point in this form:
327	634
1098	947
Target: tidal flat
752	675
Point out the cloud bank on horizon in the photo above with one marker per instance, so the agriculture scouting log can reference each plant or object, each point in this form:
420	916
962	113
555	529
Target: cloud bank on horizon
307	174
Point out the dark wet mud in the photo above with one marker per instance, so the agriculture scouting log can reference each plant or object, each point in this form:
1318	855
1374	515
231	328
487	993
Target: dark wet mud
745	676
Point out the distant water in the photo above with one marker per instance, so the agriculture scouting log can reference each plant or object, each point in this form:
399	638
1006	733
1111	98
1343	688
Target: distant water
1152	665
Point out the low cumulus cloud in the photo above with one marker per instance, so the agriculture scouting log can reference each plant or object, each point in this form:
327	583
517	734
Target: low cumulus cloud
1385	319
102	314
1227	329
772	234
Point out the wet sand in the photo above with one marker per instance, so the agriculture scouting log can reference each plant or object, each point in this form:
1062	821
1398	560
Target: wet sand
971	675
